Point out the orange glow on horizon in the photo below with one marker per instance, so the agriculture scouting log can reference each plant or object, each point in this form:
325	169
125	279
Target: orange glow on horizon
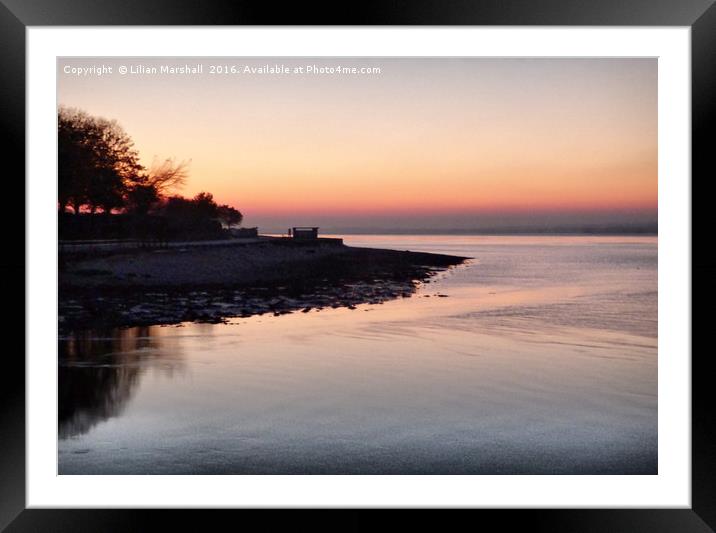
438	136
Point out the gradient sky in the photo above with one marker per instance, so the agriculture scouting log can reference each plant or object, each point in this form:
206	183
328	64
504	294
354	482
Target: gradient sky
428	142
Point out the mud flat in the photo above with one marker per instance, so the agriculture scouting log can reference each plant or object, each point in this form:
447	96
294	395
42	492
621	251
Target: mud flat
216	283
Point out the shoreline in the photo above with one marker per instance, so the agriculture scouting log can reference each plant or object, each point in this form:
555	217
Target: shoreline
214	284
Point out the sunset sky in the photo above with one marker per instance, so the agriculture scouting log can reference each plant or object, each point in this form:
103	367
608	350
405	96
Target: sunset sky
427	142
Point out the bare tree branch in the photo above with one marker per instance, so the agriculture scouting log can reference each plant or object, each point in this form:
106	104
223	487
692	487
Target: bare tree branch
167	175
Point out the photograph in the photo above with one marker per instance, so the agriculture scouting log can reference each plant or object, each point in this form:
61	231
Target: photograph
357	265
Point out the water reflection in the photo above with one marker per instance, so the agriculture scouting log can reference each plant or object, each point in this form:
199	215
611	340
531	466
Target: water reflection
541	359
99	370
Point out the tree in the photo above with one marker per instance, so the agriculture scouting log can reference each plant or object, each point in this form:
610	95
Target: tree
97	162
192	218
199	209
99	171
142	198
228	216
205	206
177	207
117	166
74	157
167	175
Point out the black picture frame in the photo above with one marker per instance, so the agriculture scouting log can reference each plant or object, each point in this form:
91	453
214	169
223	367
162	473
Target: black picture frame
16	15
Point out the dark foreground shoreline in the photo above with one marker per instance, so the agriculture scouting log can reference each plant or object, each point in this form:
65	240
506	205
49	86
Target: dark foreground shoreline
214	284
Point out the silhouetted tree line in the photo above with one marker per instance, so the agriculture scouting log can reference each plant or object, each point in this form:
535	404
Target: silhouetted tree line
104	191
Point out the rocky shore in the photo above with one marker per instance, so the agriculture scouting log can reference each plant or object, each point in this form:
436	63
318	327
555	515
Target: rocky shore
217	283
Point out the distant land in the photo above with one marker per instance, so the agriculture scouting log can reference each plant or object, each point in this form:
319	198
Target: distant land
587	229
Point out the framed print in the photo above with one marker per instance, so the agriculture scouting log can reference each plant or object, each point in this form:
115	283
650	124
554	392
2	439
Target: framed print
439	259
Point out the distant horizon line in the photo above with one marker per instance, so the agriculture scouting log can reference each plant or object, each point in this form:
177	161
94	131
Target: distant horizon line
621	229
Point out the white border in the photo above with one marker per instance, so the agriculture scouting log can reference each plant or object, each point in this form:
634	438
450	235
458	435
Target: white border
671	488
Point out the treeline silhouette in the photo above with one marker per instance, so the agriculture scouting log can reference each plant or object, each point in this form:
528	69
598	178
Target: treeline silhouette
104	192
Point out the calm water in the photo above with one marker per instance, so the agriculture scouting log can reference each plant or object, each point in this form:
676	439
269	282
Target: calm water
541	359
